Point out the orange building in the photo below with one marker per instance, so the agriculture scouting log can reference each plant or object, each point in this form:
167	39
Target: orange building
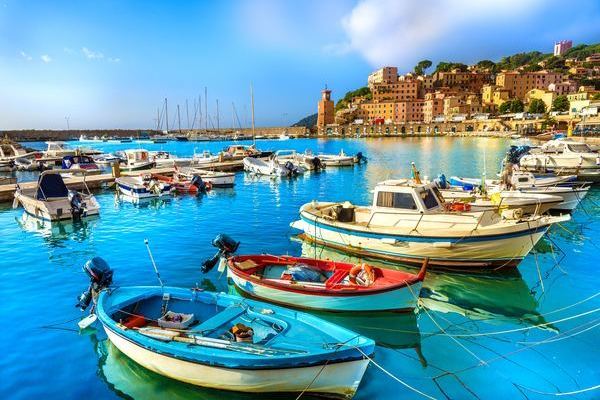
404	88
325	109
433	106
470	81
519	83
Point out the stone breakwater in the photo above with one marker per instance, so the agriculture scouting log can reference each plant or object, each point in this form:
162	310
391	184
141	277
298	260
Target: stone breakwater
34	135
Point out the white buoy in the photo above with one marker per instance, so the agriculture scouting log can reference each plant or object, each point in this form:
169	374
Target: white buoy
87	321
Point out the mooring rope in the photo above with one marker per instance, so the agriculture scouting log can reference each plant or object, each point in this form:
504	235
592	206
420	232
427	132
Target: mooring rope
388	373
561	393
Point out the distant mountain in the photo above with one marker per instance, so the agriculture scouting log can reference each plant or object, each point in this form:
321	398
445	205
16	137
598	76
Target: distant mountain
307	122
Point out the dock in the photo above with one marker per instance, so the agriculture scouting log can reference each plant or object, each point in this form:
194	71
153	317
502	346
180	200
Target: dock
102	180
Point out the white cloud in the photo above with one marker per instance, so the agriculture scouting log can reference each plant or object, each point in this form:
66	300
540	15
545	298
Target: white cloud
45	58
391	32
25	56
92	55
114	60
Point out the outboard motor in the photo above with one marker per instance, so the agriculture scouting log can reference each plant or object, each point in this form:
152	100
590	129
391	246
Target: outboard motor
226	245
317	163
77	204
289	166
199	183
515	153
100	276
442	182
360	157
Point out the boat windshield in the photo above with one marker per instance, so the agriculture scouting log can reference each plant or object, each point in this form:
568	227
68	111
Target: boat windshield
396	200
579	148
51	186
429	199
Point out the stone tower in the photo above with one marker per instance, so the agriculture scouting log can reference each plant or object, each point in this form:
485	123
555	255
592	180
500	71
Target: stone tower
325	114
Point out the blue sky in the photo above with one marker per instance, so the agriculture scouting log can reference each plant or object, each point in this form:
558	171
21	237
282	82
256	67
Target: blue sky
109	64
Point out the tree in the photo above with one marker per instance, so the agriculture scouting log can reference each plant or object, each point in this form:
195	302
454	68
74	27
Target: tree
444	66
596	96
560	103
536	106
422	66
487	65
504	107
517	106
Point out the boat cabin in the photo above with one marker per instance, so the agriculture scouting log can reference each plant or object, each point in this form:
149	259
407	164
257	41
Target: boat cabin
136	156
239	150
407	196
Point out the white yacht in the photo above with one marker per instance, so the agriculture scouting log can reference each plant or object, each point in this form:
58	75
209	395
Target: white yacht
136	160
562	156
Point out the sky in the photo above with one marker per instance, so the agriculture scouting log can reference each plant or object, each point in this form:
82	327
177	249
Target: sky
110	64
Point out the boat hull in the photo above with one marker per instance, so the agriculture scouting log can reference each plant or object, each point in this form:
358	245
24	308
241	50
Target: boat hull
331	378
384	301
142	193
58	210
465	254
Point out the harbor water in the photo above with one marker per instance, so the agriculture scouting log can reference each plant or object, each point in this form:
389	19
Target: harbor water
531	333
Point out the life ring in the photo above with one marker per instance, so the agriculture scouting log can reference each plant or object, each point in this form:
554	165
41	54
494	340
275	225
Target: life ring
362	275
458	206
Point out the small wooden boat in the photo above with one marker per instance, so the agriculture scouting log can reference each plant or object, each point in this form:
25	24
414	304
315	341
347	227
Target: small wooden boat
226	342
324	284
215	178
51	200
183	185
338	160
141	187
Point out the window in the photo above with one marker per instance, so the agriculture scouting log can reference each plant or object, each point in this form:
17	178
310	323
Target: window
396	200
579	148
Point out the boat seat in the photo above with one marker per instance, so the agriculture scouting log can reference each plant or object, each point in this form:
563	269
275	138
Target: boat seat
335	278
246	265
221	318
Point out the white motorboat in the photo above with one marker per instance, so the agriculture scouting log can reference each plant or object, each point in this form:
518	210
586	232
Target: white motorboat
302	162
57	150
337	160
561	156
216	178
166	159
408	223
204	158
51	200
268	167
137	160
516	180
528	203
85	139
283	136
80	162
142	187
106	159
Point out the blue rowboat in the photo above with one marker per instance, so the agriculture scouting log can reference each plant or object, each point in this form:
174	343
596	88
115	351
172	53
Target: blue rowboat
230	343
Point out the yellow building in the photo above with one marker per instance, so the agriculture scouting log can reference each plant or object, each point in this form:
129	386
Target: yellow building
519	83
383	75
546	96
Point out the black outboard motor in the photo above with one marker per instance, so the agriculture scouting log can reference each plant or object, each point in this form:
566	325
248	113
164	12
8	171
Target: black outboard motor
317	163
360	157
77	204
515	153
226	245
199	183
289	166
100	278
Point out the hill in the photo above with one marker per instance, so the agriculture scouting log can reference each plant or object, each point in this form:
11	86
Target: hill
308	121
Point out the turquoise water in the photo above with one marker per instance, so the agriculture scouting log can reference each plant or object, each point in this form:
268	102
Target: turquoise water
496	351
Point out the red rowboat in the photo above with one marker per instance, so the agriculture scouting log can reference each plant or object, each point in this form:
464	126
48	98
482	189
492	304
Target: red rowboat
184	186
325	284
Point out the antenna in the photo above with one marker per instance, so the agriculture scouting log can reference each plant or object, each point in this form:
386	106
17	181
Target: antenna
162	285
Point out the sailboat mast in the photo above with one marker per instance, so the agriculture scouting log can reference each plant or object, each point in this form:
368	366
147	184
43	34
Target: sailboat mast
252	104
217	114
167	114
205	108
199	112
157	119
187	113
178	119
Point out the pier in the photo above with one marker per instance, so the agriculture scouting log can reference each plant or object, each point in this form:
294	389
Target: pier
102	180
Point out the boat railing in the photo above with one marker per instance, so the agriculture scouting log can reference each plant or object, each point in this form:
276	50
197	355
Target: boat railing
421	216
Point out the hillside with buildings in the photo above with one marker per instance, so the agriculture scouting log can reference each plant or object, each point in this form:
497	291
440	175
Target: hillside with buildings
555	88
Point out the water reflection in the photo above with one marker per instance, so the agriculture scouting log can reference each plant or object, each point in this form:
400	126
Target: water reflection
127	379
493	299
57	232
